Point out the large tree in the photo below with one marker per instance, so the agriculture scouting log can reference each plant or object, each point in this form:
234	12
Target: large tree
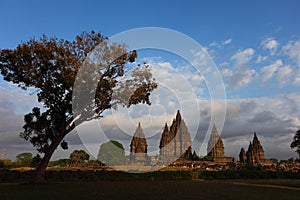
79	156
296	142
51	66
24	159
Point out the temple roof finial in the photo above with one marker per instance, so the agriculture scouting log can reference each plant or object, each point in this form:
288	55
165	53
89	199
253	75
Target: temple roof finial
214	126
178	114
214	131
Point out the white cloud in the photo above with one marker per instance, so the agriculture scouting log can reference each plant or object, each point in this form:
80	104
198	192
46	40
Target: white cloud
297	78
13	106
242	57
238	77
261	58
220	44
284	75
214	44
226	72
242	77
267	72
226	41
202	60
292	49
271	44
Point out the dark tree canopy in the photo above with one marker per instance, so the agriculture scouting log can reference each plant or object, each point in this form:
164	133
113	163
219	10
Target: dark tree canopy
36	160
51	66
296	142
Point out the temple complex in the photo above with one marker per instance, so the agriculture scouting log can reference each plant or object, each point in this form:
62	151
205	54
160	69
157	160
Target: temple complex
175	149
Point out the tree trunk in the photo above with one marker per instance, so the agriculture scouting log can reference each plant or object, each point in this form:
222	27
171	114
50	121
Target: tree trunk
41	169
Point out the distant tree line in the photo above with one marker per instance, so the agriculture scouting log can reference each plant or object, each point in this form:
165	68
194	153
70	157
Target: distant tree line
110	153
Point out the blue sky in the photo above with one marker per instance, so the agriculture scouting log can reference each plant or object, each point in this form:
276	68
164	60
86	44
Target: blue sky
246	23
205	21
255	45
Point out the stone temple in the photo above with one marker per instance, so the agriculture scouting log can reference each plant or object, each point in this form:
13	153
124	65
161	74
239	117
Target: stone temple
175	141
138	147
215	147
255	154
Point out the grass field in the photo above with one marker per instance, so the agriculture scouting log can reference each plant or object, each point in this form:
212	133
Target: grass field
180	189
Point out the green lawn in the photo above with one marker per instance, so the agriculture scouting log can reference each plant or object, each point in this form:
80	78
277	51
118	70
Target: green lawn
190	189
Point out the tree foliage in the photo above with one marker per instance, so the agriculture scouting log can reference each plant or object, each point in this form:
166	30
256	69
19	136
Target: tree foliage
50	67
60	163
24	159
112	153
36	160
296	142
79	156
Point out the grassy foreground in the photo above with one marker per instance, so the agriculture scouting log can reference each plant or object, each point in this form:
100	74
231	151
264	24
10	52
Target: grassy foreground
172	189
16	176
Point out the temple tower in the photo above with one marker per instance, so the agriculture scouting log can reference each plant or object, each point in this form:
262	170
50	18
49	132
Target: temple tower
243	156
176	140
138	146
215	146
255	153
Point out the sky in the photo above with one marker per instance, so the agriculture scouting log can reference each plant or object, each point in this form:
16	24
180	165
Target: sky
255	46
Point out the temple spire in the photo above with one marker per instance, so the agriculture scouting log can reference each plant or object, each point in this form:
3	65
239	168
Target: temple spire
178	116
139	132
214	130
138	142
166	128
138	146
176	140
215	147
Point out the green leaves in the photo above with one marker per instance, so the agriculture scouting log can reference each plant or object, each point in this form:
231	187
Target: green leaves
79	156
24	159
